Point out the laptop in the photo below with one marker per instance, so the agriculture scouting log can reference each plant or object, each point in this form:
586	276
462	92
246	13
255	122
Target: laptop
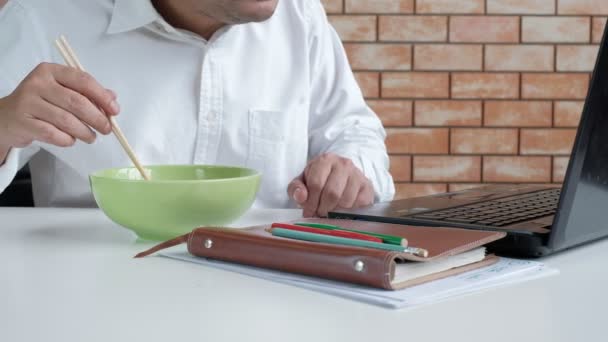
539	220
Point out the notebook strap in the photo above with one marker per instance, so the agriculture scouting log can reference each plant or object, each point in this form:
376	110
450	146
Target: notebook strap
164	245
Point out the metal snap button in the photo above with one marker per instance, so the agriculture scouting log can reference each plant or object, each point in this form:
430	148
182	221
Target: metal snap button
359	266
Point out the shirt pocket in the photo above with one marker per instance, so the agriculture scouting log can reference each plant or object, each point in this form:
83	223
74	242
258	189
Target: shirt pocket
267	140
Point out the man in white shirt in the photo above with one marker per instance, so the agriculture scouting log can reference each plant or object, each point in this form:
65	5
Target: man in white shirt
257	83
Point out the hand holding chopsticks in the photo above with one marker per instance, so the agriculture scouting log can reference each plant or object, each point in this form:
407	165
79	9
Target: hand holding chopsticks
72	60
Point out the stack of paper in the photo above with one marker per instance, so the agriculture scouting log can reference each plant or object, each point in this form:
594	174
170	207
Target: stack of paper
505	271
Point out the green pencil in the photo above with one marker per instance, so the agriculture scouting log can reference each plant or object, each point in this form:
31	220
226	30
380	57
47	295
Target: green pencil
305	236
390	239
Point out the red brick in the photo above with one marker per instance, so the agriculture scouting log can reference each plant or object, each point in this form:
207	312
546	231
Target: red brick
448	113
518	113
456	187
409	190
483	141
521	6
547	141
599	23
415	85
333	6
481	29
355	27
448	57
450	6
379	56
485	86
401	168
392	112
576	57
555	86
417	140
519	58
560	165
517	169
556	29
413	28
447	168
568	113
369	83
380	6
590	7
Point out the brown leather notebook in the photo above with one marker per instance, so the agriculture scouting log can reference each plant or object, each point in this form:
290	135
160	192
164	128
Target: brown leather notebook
450	251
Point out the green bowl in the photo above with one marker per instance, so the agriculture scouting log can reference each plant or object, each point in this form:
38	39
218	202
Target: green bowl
177	199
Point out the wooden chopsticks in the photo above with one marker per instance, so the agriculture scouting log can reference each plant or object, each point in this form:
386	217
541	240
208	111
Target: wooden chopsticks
72	60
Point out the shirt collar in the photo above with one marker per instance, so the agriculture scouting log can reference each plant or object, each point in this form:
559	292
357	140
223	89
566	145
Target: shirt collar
129	15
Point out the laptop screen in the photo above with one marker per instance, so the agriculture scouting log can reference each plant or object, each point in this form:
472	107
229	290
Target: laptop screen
583	208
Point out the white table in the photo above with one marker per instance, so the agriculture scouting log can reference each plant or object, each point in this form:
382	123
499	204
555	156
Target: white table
68	275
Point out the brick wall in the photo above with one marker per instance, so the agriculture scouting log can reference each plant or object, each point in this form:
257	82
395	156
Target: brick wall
473	91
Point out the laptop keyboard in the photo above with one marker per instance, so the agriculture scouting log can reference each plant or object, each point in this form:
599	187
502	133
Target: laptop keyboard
500	212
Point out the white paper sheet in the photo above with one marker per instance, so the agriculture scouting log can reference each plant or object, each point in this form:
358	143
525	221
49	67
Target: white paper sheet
505	272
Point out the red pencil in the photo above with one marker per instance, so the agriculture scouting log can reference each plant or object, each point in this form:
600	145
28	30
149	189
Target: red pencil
339	233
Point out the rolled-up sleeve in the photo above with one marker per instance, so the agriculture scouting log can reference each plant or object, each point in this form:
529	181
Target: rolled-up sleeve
17	157
18	54
341	122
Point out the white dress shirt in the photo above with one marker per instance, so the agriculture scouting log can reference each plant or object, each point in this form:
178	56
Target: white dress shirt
269	95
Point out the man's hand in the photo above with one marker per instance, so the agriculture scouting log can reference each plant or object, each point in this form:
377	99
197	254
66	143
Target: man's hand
55	104
328	182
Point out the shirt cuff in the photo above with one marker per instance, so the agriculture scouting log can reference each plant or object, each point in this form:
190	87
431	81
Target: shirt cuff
15	160
9	169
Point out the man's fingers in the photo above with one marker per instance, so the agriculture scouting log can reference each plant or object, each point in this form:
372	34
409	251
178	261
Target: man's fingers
114	103
112	94
365	196
79	105
349	196
56	104
300	195
297	190
293	185
45	132
65	121
315	177
333	189
86	85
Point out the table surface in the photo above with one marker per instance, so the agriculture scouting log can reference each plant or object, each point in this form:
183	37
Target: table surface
69	275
